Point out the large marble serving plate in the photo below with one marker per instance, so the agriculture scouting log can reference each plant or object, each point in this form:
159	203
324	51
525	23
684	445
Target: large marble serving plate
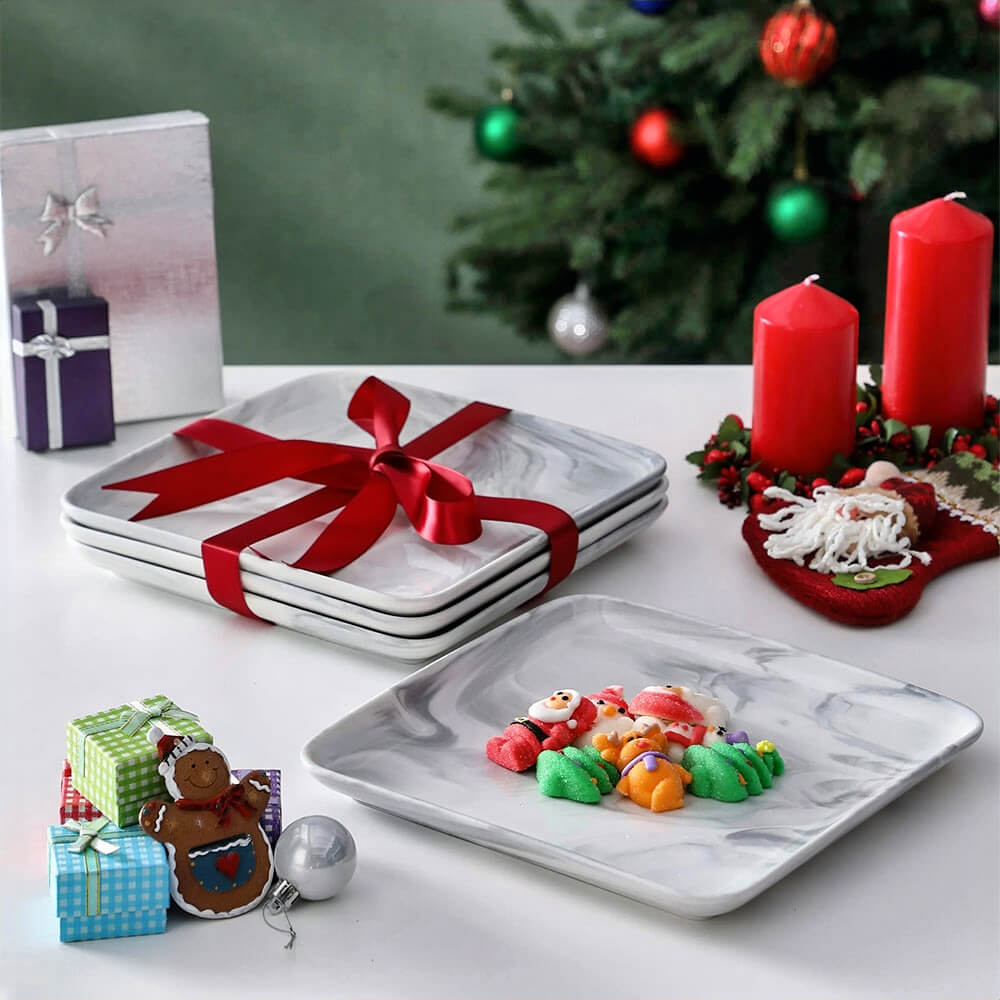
852	741
408	649
586	474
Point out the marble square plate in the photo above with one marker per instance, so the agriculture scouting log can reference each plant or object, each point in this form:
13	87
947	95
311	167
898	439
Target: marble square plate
412	626
408	650
852	741
585	473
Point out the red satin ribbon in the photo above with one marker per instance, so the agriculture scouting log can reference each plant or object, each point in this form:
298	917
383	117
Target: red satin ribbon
365	484
234	797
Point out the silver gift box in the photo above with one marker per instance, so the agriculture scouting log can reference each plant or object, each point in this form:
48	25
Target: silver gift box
121	209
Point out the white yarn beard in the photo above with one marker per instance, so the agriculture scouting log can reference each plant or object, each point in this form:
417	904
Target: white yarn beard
838	542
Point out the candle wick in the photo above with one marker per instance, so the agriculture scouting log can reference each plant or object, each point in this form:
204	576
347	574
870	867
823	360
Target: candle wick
954	195
810	279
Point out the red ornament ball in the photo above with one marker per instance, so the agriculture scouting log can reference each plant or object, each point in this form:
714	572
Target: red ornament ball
653	141
989	11
798	45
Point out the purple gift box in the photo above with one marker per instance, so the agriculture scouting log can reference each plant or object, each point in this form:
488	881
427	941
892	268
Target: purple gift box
270	822
62	371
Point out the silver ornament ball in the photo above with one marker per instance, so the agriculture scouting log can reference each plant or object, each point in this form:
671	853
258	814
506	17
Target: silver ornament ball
577	323
317	855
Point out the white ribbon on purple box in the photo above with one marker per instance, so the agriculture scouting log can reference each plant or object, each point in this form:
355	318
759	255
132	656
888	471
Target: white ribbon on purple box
53	349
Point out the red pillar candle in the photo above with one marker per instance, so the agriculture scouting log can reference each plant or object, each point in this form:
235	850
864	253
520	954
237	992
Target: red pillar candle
937	314
805	359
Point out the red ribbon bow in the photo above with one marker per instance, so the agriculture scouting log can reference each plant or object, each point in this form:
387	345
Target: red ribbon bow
234	797
368	483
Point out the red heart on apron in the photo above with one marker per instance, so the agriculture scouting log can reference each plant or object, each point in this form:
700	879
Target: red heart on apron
228	864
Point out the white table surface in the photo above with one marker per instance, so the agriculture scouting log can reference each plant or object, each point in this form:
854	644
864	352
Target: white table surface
905	905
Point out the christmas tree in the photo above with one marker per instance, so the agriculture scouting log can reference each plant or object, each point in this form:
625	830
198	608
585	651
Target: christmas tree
685	160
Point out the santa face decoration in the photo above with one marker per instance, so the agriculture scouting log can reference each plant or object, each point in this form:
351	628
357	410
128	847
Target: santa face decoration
551	724
612	716
220	859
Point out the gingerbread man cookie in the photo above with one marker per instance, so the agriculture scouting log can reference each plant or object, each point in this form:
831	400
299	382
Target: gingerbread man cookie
220	858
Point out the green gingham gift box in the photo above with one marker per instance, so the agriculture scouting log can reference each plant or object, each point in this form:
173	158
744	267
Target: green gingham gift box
106	881
114	765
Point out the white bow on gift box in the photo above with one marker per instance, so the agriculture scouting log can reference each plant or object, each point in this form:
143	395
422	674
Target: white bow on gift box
59	213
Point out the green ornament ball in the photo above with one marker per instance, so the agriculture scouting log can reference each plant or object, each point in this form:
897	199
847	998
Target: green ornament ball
496	130
797	212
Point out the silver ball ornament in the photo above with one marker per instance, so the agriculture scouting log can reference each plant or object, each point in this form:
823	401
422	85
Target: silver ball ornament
316	856
577	323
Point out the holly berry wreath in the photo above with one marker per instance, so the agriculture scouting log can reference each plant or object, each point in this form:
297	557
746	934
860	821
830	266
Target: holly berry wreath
860	543
725	459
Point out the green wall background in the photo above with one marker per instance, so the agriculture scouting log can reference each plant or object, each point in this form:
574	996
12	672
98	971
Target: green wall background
334	185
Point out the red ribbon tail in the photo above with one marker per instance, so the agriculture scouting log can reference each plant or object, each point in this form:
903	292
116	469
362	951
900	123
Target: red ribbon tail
354	530
564	536
221	553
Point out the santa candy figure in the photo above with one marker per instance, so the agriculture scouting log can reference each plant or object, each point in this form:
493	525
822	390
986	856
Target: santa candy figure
685	716
551	724
613	718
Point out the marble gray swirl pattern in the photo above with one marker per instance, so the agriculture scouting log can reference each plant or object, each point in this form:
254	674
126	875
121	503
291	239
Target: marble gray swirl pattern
408	649
852	741
410	626
585	473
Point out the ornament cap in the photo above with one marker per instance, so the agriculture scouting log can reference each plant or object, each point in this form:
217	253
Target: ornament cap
282	896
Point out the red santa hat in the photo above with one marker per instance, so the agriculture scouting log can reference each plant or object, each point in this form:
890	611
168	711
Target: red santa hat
920	497
613	694
664	703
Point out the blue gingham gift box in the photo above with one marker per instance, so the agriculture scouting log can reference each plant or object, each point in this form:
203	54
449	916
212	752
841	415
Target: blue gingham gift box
107	881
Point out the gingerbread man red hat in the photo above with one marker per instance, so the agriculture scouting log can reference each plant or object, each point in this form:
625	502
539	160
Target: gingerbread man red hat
171	747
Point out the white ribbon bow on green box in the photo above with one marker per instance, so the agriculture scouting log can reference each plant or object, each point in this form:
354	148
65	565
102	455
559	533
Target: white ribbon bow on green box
113	763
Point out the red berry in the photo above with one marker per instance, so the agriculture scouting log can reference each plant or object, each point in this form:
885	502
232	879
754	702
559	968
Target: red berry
991	404
757	502
860	407
758	482
993	431
818	482
735	419
978	450
960	444
717	456
901	441
930	465
851	478
876	427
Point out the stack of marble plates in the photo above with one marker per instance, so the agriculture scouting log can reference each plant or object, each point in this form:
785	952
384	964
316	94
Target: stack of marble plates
405	598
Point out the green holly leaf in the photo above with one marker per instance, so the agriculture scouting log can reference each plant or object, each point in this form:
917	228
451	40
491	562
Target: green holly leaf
893	426
883	578
949	439
695	457
711	470
729	429
787	481
875	374
992	446
921	434
838	466
738	448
